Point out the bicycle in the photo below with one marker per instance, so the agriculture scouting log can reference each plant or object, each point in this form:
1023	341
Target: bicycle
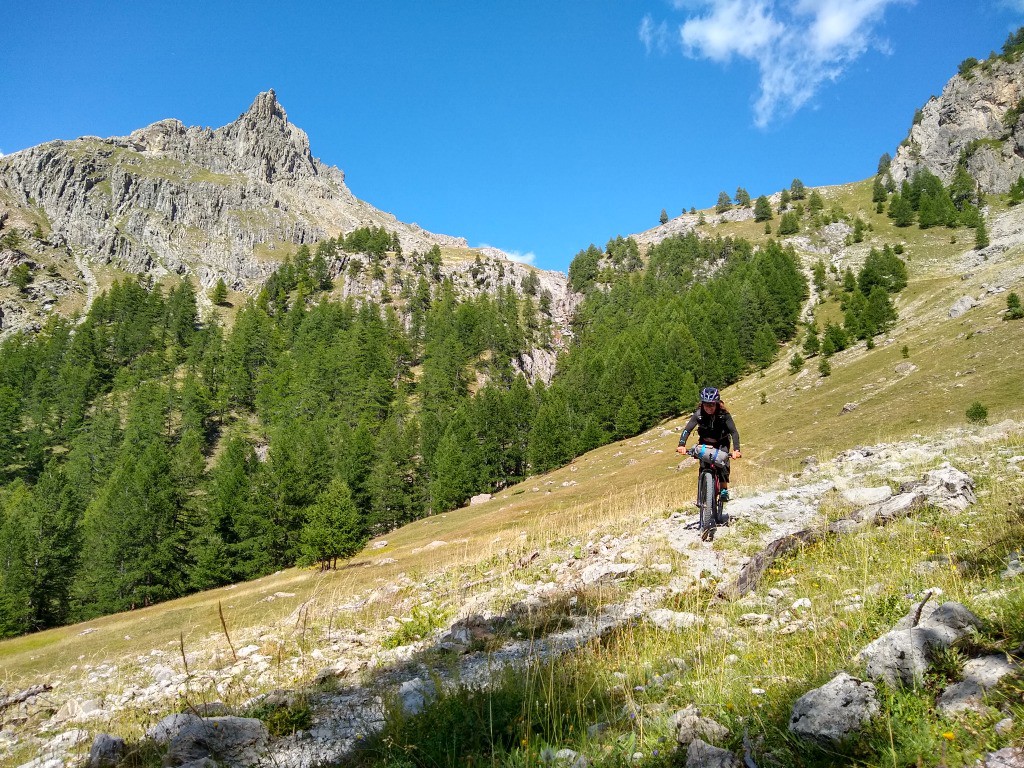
709	500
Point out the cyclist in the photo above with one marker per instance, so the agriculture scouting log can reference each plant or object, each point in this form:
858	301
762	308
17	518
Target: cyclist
715	427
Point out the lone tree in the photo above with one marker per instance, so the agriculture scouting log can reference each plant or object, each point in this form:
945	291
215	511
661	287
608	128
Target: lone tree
797	190
219	295
724	202
333	527
664	216
1014	310
977	413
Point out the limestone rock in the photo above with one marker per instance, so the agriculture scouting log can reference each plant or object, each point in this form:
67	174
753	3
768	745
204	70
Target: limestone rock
597	572
978	676
1014	566
835	711
170	726
702	755
480	498
961	306
230	741
1008	757
903	655
415	694
668	620
861	497
692	727
106	751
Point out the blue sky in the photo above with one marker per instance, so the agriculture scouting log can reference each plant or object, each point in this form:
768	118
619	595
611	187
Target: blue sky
537	127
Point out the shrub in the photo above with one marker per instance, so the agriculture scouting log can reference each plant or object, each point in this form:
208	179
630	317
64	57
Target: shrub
796	363
21	276
905	351
977	413
1014	310
825	367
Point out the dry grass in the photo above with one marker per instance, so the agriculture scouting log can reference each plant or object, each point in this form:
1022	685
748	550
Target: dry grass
614	487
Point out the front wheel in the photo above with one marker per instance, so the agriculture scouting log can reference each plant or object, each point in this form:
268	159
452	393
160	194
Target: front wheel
707	501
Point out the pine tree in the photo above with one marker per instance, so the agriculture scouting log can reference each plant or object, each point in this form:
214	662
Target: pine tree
878	191
901	211
627	420
980	236
219	294
790	223
880	313
811	344
766	346
762	209
742	197
796	362
134	535
1014	310
551	443
452	469
724	202
333	527
797	190
664	216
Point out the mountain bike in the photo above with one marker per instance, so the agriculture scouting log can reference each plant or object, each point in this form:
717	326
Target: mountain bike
709	501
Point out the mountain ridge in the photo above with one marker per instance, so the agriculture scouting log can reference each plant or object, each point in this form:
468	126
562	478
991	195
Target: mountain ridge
229	203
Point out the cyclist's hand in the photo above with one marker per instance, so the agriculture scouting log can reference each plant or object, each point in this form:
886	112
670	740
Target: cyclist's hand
681	449
737	455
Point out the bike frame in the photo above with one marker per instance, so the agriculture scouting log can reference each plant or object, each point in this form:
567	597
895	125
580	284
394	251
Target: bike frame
707	467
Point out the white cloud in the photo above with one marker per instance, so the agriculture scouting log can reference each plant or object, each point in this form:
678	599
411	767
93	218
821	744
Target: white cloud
523	258
798	45
655	37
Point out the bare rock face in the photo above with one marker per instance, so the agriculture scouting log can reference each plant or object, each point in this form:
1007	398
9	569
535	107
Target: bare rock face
970	116
227	203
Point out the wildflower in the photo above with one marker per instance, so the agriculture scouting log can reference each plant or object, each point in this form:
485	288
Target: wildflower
948	736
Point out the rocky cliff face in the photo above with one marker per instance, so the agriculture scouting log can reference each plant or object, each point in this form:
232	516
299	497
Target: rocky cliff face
190	199
977	117
226	203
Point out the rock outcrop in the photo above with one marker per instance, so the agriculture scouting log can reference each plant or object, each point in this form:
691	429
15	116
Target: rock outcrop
228	203
835	711
976	118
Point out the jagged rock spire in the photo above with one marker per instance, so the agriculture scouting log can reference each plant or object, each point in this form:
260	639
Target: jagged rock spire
267	145
265	107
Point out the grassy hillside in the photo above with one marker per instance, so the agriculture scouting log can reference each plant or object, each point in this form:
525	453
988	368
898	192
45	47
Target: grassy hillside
441	562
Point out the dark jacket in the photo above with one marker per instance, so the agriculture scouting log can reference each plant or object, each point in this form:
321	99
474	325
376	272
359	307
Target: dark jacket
715	429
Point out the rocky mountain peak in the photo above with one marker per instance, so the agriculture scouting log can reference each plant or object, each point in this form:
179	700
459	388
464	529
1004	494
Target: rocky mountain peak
976	121
265	108
266	146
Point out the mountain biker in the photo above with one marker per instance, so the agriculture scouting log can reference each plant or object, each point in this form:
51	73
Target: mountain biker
715	427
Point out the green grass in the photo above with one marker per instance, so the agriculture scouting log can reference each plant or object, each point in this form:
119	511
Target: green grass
635	679
615	493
